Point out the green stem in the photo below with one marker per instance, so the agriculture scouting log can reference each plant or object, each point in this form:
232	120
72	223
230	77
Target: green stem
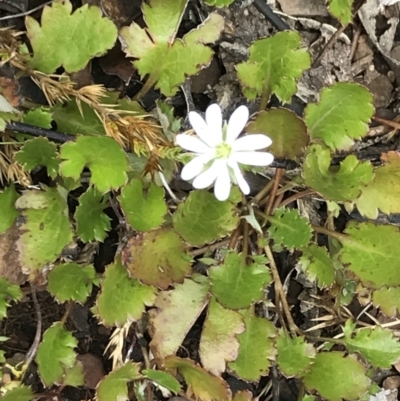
265	97
343	238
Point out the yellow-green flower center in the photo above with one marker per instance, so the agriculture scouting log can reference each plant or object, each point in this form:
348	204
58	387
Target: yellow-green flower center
223	151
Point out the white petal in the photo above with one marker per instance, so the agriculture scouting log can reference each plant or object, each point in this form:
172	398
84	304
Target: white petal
191	143
194	167
205	179
222	187
214	121
242	183
252	142
202	129
254	158
236	123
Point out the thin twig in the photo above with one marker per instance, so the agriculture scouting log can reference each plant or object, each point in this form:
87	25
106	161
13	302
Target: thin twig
277	179
26	12
209	248
297	196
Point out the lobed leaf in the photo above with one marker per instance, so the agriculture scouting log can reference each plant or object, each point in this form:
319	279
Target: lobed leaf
22	393
40	117
218	342
341	116
342	10
388	300
68	40
8	292
163	379
274	65
170	323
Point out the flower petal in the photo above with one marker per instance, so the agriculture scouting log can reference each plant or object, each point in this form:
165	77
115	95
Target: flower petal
252	142
194	167
241	182
214	121
205	179
202	129
191	143
222	187
254	158
236	123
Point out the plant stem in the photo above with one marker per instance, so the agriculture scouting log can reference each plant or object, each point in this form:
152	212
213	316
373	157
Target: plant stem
339	236
297	196
277	178
262	193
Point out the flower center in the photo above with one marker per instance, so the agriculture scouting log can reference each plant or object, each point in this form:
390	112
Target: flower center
223	151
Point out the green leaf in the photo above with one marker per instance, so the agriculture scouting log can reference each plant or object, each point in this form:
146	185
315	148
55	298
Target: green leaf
243	395
39	152
46	229
68	40
157	258
341	116
289	229
368	252
132	297
56	354
317	265
274	65
204	386
114	387
257	347
388	300
143	212
342	10
170	322
202	218
75	376
376	345
92	223
71	282
8	292
294	355
218	342
383	192
40	117
102	155
180	57
18	394
337	183
9	213
163	379
335	377
237	285
287	131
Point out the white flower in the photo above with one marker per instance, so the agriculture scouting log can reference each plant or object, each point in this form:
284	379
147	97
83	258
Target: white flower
218	151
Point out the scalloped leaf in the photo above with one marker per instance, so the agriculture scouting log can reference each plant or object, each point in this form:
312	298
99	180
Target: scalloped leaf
39	152
237	285
342	10
143	212
132	297
337	183
163	379
170	322
348	375
8	292
383	192
40	117
157	258
7	206
204	386
180	57
368	252
68	39
274	65
341	116
288	132
257	347
388	300
376	345
22	393
295	356
289	228
114	387
92	223
317	265
218	342
56	355
71	282
102	155
202	218
46	229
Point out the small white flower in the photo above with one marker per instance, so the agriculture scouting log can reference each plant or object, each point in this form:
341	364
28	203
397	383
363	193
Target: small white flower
218	150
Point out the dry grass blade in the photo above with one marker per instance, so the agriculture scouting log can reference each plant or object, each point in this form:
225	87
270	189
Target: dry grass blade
117	342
